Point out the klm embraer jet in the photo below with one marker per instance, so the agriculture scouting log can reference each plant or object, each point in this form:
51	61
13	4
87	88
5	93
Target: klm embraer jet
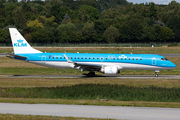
110	64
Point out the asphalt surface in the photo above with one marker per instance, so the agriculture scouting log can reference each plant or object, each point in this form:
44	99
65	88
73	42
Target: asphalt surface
115	112
3	54
97	76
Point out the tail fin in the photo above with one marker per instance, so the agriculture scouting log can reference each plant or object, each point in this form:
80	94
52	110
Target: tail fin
20	45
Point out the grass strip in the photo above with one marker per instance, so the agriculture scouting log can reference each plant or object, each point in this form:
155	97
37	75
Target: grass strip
61	82
96	91
41	117
91	102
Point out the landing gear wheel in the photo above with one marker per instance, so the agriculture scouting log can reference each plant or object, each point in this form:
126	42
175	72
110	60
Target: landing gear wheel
156	75
91	74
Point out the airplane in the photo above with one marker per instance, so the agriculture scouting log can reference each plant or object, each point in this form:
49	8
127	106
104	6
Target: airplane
110	64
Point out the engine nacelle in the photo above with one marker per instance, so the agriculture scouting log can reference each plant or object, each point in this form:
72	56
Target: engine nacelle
110	70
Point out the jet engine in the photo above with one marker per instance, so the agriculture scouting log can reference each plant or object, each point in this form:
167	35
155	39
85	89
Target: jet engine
110	70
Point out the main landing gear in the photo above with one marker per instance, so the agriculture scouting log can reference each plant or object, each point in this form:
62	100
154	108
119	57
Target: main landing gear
91	74
156	73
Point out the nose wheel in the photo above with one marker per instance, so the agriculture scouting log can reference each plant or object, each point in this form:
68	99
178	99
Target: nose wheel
156	73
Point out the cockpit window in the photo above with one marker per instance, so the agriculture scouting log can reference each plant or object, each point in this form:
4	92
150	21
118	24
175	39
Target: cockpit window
163	59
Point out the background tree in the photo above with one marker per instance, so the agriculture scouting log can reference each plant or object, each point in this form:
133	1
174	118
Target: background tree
67	33
111	34
86	13
18	17
89	32
131	31
174	24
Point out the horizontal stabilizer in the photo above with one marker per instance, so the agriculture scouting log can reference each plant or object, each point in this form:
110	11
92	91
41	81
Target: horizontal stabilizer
12	56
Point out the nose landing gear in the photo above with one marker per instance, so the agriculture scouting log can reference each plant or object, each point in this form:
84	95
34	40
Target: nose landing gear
156	73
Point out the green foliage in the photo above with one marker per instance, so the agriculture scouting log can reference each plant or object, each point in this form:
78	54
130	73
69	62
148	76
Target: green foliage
96	91
67	33
91	18
89	32
131	30
173	44
19	17
111	34
35	24
4	36
42	36
87	13
152	11
59	12
174	24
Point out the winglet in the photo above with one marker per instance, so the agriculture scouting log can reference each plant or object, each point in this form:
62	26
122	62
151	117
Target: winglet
69	61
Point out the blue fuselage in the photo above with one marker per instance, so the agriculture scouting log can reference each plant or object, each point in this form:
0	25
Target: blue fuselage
122	61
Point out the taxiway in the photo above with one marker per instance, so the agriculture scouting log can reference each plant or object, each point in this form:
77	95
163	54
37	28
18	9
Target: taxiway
114	112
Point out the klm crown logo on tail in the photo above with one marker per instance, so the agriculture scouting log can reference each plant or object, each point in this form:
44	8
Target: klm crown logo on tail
20	43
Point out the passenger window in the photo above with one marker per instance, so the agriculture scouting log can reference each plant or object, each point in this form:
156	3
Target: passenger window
101	58
78	58
113	58
93	58
89	58
53	57
60	57
64	58
129	58
98	58
121	58
71	58
56	57
141	59
125	58
133	59
117	58
106	58
75	58
85	58
136	58
82	58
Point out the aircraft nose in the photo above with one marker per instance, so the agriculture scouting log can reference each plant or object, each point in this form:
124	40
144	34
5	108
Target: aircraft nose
173	65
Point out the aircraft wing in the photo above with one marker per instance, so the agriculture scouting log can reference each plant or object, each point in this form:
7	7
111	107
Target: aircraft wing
84	65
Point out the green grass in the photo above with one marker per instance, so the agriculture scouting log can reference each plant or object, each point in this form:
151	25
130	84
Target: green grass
96	91
27	87
64	82
41	117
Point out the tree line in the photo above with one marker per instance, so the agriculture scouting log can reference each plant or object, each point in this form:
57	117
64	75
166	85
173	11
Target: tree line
90	21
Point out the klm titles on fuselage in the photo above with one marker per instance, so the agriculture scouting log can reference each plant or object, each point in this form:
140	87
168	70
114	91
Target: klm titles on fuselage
20	43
